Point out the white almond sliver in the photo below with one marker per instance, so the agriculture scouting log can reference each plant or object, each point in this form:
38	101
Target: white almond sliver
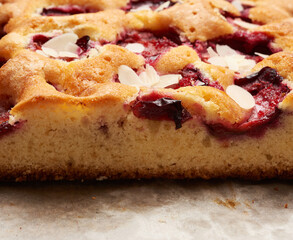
242	97
232	63
168	80
211	52
60	43
141	8
145	79
218	61
50	52
135	47
246	66
41	53
163	6
71	47
261	55
238	5
152	75
127	76
67	54
224	50
246	25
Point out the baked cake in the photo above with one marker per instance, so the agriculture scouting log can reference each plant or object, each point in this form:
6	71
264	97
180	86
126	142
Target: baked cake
95	89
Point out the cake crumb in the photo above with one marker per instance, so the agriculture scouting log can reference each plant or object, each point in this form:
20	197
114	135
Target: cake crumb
286	205
94	198
276	188
229	203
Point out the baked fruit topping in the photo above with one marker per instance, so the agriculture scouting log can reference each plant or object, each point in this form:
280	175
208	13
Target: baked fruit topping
154	5
151	45
268	91
66	46
66	10
156	107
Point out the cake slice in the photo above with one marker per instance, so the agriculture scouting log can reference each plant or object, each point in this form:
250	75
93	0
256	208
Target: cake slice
174	89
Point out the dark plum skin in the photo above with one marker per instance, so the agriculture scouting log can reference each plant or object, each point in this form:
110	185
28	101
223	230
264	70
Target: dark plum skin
66	10
83	43
156	107
245	42
268	91
38	41
5	127
192	76
134	4
156	44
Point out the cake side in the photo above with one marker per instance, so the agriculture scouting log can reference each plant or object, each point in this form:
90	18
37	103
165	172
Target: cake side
81	141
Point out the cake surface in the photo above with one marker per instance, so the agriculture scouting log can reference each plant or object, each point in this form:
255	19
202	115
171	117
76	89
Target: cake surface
96	89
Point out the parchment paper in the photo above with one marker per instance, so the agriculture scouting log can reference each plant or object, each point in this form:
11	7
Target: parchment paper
157	209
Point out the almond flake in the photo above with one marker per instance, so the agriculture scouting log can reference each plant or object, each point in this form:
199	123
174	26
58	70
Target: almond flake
238	5
148	78
41	53
50	52
228	57
168	80
67	54
135	47
60	43
141	8
224	50
261	55
242	97
163	6
246	25
211	52
218	61
152	75
71	47
127	76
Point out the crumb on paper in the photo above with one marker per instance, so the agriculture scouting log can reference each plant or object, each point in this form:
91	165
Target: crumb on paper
94	198
276	188
229	203
286	205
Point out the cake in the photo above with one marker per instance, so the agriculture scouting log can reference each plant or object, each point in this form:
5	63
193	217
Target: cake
112	89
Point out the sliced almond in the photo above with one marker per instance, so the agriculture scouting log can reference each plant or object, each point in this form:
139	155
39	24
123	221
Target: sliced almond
218	61
242	97
135	47
163	6
225	50
233	62
237	4
261	55
246	25
50	52
141	8
66	54
152	74
168	80
71	47
42	53
60	43
127	76
211	52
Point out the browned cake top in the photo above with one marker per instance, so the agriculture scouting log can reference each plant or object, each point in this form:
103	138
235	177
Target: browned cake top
226	62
